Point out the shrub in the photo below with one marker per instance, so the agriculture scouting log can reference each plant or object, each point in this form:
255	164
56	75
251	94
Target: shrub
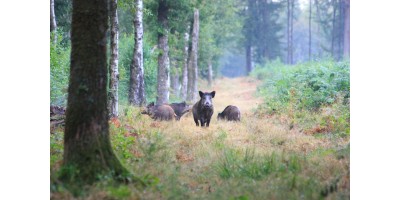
302	90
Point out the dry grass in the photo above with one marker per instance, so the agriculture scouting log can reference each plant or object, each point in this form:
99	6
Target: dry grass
187	159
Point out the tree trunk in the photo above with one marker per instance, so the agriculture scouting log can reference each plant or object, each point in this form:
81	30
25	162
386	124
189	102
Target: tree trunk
288	32
309	32
346	30
137	95
318	28
248	59
210	73
114	74
192	67
53	24
87	147
333	29
340	31
291	32
185	66
163	59
175	77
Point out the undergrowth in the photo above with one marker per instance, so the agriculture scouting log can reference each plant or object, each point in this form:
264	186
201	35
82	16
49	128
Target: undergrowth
315	96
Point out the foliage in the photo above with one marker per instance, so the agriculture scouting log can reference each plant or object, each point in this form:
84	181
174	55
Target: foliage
262	29
126	44
315	93
59	70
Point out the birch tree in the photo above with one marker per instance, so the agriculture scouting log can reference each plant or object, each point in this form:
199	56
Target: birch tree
163	82
137	94
53	23
192	66
87	146
185	65
114	74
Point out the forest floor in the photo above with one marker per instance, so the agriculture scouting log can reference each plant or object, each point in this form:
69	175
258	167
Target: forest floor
260	157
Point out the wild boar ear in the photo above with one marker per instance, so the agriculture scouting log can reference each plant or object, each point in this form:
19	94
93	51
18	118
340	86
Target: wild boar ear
213	94
201	94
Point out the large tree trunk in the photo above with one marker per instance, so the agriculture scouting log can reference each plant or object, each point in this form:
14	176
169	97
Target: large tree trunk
210	73
192	80
163	58
309	32
137	95
248	59
87	147
185	65
346	30
114	74
53	24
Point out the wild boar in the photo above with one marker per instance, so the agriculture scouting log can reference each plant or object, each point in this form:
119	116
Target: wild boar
180	109
230	113
160	112
203	109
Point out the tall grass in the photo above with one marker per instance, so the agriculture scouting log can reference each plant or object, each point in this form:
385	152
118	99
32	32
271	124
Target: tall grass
251	159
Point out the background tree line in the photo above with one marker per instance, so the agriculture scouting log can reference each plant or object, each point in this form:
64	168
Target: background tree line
156	54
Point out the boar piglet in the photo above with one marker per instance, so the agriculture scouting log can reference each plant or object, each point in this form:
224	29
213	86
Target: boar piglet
230	113
160	112
180	109
203	109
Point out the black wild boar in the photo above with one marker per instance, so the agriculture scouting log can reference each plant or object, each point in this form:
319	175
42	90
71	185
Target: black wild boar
160	112
203	109
230	113
180	109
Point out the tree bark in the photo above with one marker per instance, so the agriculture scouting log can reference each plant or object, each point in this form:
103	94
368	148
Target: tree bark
192	67
210	73
53	23
309	32
87	147
163	58
346	32
114	74
248	59
185	65
137	95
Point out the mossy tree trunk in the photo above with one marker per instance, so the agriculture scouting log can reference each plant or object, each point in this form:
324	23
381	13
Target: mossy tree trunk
87	147
137	95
